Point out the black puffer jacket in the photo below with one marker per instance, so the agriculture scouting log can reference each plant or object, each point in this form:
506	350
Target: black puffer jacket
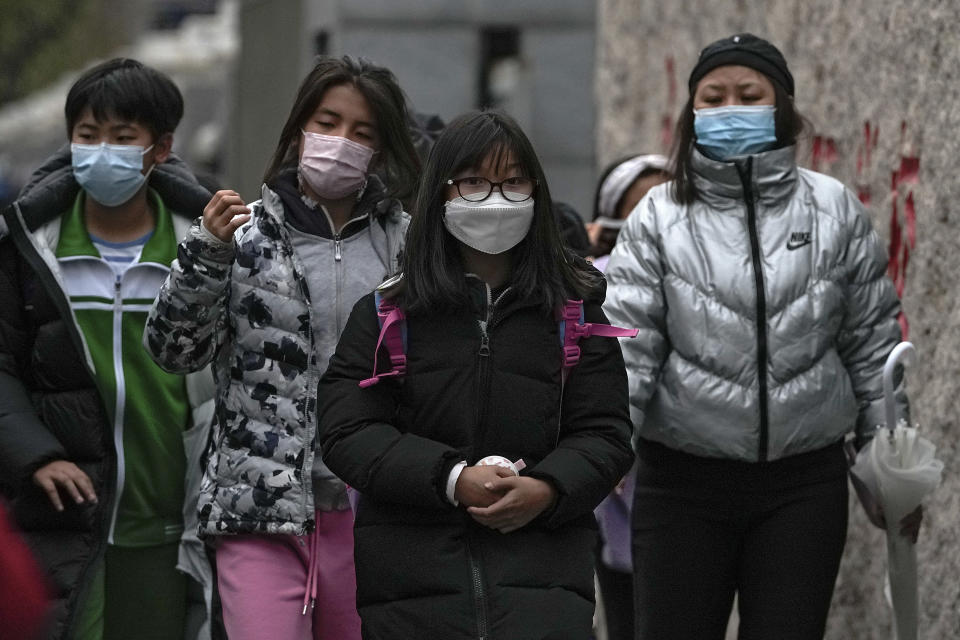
50	408
425	569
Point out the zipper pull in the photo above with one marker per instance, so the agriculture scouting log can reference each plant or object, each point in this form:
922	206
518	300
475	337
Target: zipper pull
484	345
336	248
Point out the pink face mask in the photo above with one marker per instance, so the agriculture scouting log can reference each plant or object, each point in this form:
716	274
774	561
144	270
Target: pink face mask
332	166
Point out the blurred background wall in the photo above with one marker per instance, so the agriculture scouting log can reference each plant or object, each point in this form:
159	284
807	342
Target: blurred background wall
879	80
239	63
45	45
534	59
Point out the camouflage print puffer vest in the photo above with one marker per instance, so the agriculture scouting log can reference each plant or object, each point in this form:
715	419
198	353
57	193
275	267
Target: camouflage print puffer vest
247	304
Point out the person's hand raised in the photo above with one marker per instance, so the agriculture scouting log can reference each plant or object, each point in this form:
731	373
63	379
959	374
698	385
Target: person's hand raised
224	214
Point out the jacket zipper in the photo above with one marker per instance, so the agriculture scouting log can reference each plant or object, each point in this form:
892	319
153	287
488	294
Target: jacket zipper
483	359
338	268
338	274
120	402
479	593
748	194
338	261
483	392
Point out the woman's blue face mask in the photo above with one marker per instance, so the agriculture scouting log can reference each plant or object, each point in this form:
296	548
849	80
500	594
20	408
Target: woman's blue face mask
727	132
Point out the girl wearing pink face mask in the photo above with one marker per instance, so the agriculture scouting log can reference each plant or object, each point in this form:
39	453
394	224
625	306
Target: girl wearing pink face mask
264	291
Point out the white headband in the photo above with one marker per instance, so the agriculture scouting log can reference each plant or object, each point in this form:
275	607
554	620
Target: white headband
620	179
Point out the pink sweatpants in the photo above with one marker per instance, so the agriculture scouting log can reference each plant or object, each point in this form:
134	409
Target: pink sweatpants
263	582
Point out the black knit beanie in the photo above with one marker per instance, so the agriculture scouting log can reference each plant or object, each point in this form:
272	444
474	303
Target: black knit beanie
747	50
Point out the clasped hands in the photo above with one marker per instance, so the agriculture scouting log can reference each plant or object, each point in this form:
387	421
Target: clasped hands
497	498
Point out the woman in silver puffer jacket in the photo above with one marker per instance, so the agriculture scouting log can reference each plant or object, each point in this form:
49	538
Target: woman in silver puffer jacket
766	316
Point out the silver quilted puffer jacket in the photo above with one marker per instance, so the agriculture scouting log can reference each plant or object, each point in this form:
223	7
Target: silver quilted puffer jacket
764	310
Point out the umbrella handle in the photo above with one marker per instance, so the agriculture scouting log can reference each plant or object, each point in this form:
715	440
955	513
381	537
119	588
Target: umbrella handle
906	352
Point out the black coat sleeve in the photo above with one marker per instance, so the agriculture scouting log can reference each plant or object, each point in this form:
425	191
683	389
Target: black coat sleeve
593	452
355	426
25	443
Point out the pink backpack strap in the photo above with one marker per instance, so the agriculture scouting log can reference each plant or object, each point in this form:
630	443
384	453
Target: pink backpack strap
573	328
392	330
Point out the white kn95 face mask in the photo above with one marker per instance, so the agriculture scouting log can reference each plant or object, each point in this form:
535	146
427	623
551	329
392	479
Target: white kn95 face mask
493	225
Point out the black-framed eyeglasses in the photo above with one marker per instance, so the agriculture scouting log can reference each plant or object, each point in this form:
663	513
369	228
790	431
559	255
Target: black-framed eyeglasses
476	189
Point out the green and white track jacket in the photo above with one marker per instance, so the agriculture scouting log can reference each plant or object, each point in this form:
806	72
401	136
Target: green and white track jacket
148	408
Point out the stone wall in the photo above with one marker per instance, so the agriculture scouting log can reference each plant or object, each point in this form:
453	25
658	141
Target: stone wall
880	81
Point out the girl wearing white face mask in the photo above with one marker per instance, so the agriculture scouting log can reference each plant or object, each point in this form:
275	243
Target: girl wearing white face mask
447	545
766	320
264	291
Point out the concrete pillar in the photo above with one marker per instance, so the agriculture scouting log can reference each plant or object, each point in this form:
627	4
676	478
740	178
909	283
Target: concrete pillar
267	73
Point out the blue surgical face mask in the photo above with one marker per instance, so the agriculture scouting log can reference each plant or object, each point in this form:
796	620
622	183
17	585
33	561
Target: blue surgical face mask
726	132
109	173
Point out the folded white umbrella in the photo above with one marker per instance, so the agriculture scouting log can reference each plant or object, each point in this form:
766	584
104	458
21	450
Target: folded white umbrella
898	468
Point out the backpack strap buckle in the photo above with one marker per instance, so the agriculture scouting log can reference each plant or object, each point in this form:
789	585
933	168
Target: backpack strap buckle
399	363
393	338
571	356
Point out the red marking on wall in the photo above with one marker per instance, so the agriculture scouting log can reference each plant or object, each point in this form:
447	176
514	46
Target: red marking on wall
865	161
831	151
670	67
904	178
893	250
904	324
666	120
910	211
903	236
909	172
824	153
666	132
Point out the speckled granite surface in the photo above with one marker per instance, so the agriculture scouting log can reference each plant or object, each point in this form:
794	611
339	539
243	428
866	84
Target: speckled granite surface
892	66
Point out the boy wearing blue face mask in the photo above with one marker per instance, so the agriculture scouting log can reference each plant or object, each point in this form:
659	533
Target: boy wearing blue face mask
91	431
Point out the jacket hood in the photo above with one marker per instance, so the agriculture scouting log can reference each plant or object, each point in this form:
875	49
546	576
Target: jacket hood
374	201
284	188
773	176
52	189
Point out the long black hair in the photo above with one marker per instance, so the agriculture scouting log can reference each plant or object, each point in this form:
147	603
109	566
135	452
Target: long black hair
789	123
433	274
397	161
